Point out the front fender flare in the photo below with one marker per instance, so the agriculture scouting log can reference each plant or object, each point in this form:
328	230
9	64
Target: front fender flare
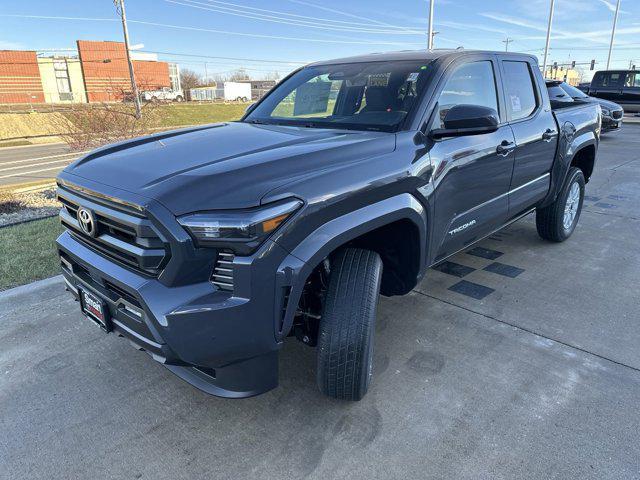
298	265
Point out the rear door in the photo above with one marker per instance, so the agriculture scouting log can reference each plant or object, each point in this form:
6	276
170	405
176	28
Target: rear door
608	85
535	131
471	178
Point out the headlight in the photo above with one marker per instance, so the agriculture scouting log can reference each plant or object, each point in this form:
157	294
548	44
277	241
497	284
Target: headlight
606	112
248	228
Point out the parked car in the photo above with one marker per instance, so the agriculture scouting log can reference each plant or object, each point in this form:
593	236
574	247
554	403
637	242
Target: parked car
620	86
207	247
165	94
562	92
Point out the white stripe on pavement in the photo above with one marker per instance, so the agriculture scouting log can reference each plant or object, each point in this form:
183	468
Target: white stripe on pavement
26	174
2	170
44	158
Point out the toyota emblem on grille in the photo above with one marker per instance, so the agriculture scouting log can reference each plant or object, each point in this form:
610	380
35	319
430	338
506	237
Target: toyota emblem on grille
87	221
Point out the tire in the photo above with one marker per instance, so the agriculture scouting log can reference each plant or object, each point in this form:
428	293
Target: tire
179	99
154	99
346	331
245	99
550	220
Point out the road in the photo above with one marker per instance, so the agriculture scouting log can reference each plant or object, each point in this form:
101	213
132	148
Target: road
525	369
33	163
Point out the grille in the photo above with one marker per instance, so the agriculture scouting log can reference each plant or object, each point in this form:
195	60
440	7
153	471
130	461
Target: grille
617	114
222	275
121	235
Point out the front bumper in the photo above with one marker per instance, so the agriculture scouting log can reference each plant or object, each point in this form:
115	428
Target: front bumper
610	124
219	341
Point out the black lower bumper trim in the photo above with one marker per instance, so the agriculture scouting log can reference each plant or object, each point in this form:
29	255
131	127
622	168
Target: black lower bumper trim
244	379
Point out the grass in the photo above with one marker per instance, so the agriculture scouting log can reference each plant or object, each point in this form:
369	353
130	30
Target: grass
175	115
27	252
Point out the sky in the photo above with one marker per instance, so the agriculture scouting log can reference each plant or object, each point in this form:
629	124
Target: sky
265	36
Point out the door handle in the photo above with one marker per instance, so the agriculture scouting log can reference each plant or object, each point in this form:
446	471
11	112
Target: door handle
548	135
505	148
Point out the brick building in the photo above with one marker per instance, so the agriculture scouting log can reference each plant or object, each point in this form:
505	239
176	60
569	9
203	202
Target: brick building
20	77
99	73
106	73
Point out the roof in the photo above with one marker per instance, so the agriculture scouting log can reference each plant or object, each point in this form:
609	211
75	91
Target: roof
424	55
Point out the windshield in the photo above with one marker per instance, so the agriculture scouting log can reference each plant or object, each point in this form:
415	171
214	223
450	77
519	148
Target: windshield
573	91
359	96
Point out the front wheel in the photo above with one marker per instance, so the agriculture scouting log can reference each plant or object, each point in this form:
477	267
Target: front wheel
556	222
346	331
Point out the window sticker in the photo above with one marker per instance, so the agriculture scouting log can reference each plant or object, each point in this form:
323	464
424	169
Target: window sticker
413	77
515	103
312	97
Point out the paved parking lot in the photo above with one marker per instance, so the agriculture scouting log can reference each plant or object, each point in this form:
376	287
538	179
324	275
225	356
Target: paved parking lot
519	359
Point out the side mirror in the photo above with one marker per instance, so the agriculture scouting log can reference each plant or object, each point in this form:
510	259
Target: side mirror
467	120
250	108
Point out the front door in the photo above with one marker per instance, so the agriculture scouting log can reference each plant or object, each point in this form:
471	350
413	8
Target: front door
471	174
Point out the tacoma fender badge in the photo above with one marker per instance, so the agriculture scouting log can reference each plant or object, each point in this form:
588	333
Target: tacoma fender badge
462	227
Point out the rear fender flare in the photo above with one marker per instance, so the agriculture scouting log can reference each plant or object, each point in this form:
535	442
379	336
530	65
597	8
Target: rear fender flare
298	265
568	147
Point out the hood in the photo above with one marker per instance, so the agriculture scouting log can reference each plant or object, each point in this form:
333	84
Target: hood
603	103
225	166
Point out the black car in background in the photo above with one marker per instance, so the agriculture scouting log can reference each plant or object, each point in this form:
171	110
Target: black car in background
562	92
620	86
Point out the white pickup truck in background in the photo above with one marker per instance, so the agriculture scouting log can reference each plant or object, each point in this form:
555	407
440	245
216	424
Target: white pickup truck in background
164	94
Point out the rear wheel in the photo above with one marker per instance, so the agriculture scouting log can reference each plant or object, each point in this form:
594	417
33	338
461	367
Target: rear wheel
557	221
345	337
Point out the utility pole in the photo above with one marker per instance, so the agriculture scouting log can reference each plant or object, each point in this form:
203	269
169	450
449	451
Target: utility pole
613	32
546	47
123	15
506	42
430	34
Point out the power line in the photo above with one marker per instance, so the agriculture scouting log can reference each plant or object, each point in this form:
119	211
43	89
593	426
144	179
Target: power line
506	42
246	7
212	30
343	13
286	21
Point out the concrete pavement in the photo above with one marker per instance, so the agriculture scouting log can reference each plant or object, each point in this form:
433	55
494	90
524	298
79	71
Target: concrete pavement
33	163
518	359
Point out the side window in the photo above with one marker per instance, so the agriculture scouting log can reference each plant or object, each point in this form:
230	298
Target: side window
633	80
470	84
610	79
519	90
598	79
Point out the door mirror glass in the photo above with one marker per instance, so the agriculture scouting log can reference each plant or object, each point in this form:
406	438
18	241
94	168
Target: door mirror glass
467	120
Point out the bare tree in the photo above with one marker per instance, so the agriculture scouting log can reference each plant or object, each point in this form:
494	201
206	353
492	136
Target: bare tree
240	75
275	76
190	79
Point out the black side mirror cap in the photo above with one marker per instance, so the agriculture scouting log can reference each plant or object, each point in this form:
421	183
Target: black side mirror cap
467	120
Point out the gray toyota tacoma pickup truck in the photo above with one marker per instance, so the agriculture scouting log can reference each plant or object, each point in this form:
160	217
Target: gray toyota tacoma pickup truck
206	247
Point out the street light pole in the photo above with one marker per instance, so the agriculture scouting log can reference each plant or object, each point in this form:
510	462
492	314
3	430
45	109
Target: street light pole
546	47
613	32
430	33
123	15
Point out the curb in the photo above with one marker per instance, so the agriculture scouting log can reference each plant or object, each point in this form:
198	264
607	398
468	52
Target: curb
29	220
30	287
